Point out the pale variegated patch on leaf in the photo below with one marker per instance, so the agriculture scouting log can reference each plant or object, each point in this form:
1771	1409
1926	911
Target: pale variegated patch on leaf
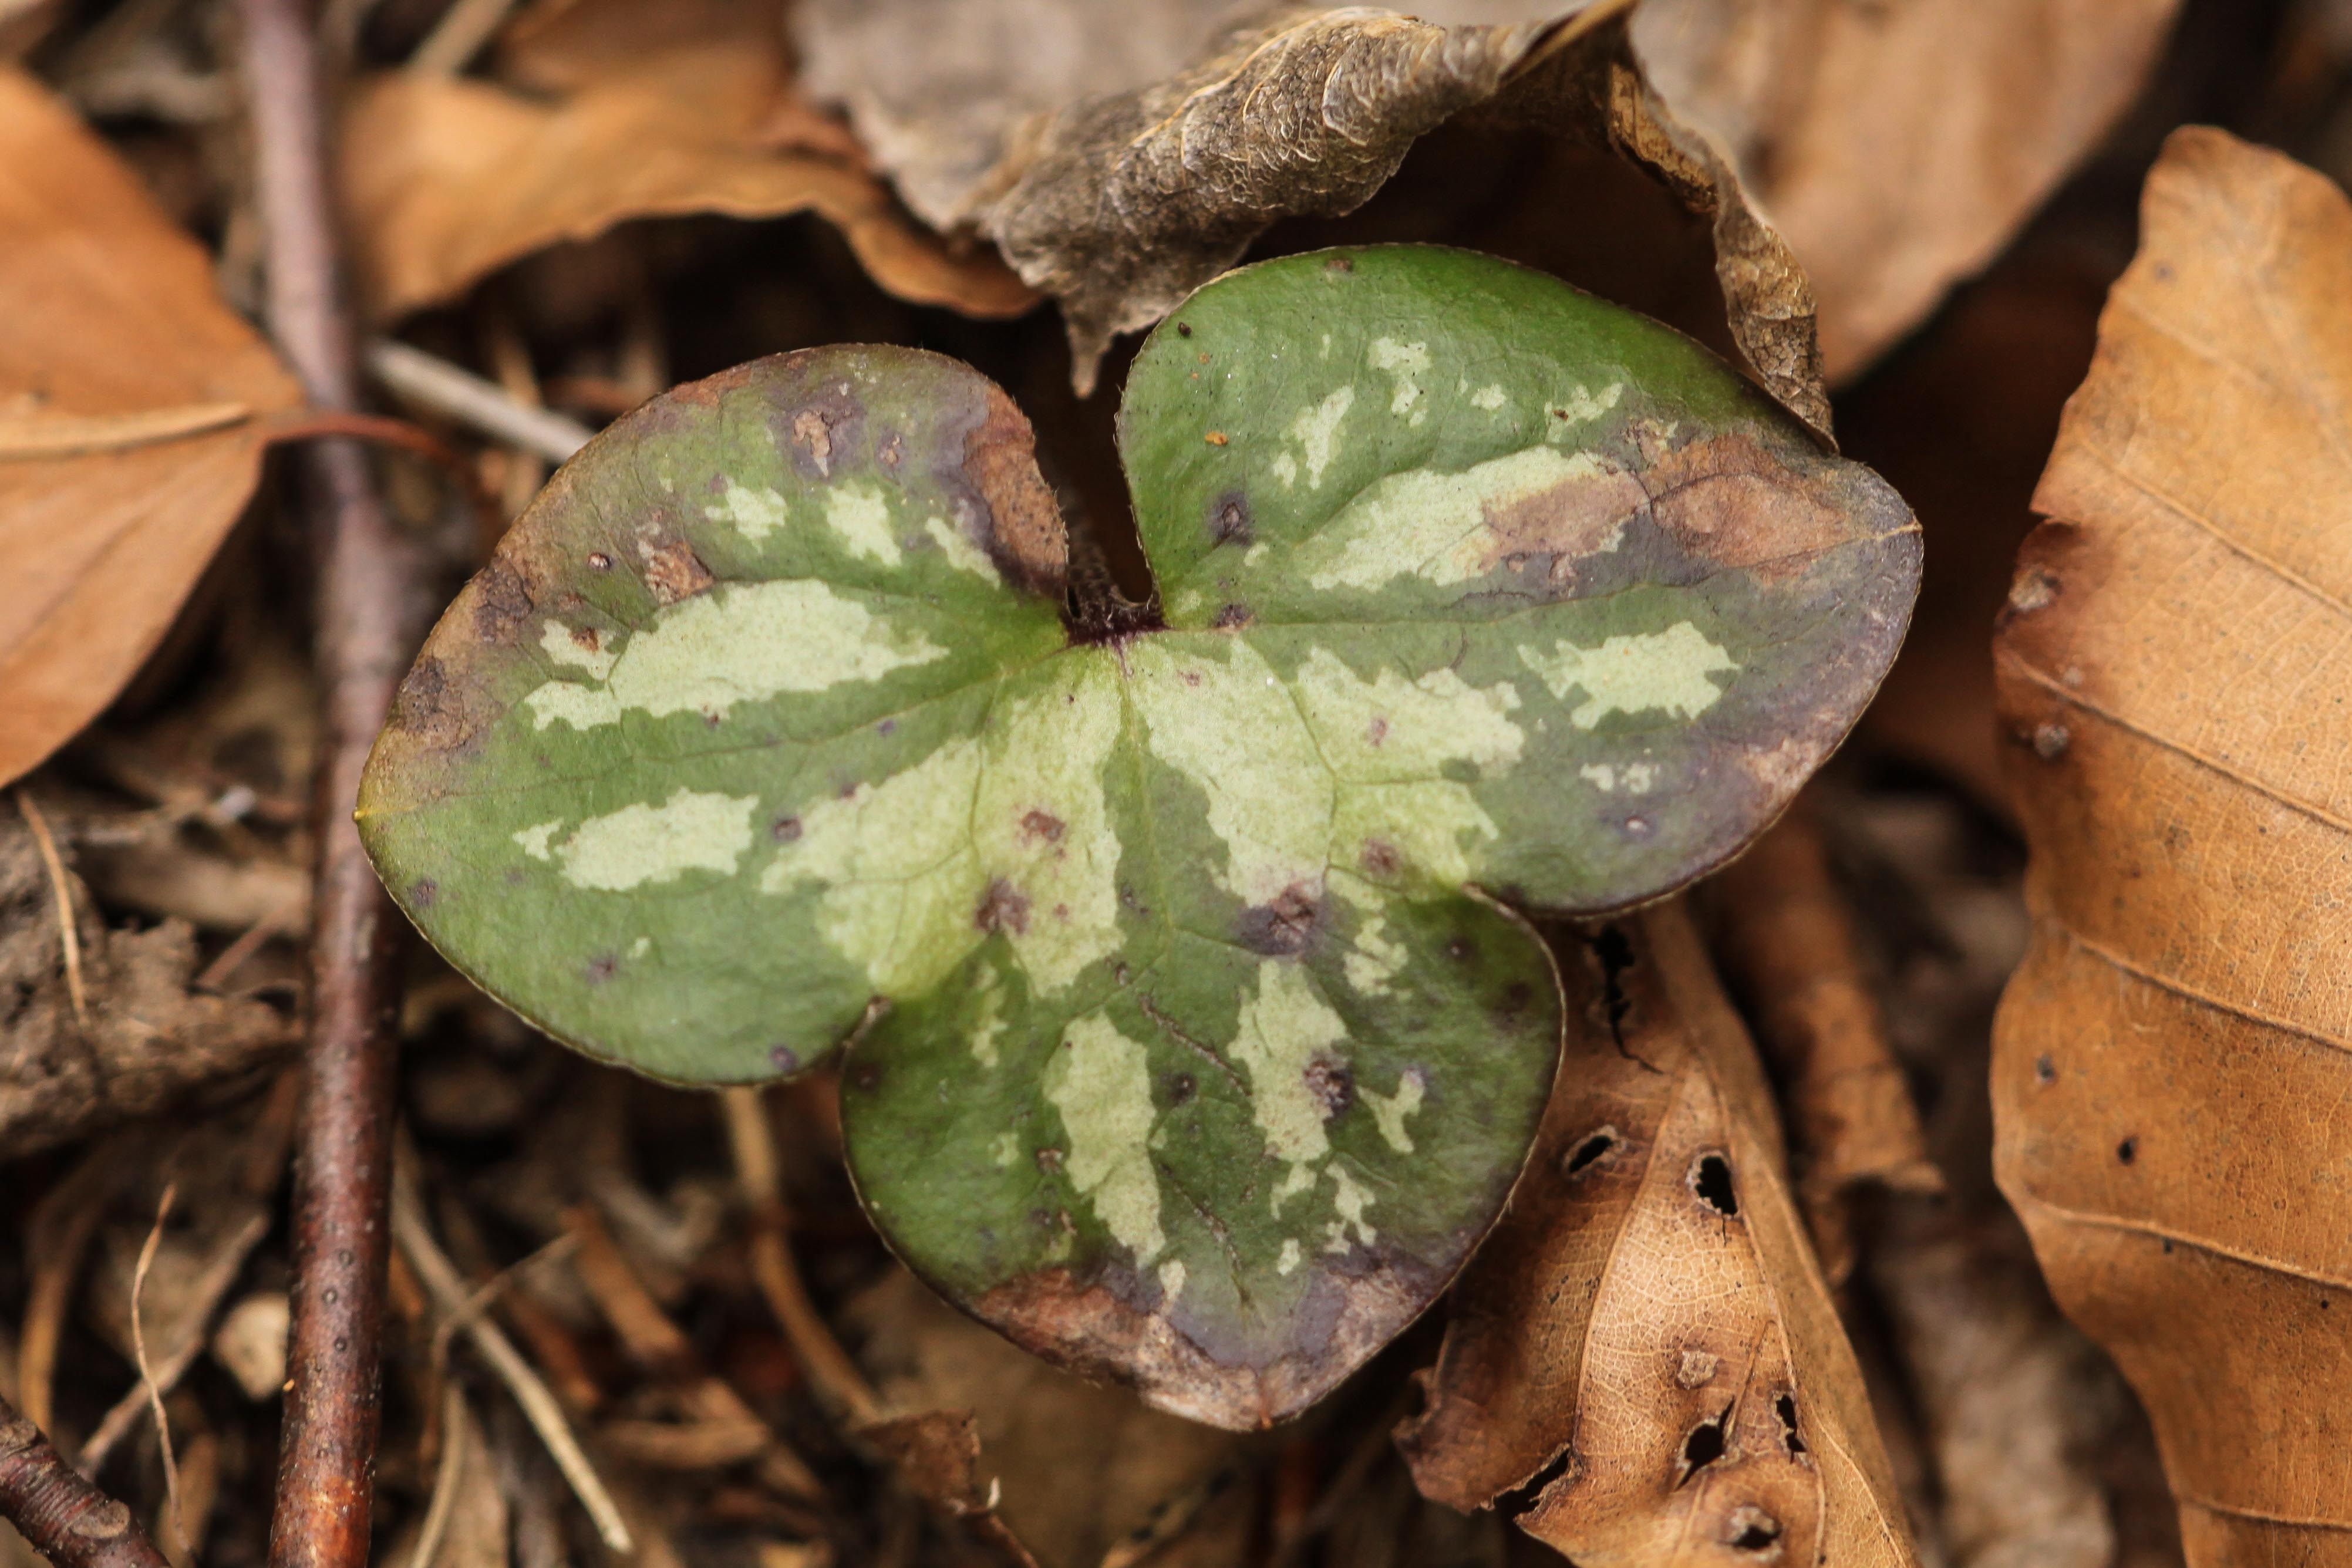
1191	1035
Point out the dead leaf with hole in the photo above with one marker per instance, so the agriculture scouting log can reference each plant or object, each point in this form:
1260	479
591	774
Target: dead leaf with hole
129	435
1643	1365
2171	1060
670	112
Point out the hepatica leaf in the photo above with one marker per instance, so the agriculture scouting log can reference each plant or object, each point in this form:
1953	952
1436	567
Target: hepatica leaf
1191	1032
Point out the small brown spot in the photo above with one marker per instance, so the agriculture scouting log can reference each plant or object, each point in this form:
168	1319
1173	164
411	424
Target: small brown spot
424	893
784	830
2127	1151
589	638
1282	926
1042	826
813	435
1333	1086
1229	519
1697	1368
1184	328
784	1058
865	1077
1231	616
1050	1161
599	561
1379	858
1182	1088
1376	731
1190	677
2045	1070
1204	357
602	968
503	601
673	571
1215	438
1001	907
1339	264
893	451
2050	741
2034	589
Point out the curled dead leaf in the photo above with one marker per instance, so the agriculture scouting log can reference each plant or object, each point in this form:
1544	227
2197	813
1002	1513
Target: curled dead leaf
1127	166
2169	1059
126	452
446	180
1645	1365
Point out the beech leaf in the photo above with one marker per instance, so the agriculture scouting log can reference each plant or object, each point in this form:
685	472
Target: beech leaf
131	428
2170	1057
1192	1036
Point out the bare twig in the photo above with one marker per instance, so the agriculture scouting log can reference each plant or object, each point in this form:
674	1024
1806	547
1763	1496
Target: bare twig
68	1520
831	1374
474	401
58	1237
367	614
205	1296
658	1344
447	1289
455	1431
146	1369
66	931
459	37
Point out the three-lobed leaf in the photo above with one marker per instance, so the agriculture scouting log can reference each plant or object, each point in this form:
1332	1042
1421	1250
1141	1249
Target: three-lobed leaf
1191	1038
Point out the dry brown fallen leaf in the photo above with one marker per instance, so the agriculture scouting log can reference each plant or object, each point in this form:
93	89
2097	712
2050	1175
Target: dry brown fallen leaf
2172	1060
129	439
1788	947
619	112
1896	148
1644	1366
1900	147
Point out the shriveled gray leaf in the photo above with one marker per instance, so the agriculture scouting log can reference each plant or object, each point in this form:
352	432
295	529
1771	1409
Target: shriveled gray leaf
1119	190
1867	155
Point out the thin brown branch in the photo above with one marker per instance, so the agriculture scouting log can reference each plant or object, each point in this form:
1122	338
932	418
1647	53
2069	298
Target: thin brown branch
68	1520
367	614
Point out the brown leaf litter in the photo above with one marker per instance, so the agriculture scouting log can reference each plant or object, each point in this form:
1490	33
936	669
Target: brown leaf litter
143	1038
612	112
1128	166
127	446
2171	1059
1643	1365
